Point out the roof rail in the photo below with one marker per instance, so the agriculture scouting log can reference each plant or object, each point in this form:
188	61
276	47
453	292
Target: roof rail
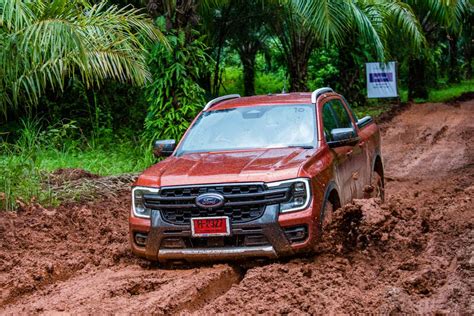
220	99
316	93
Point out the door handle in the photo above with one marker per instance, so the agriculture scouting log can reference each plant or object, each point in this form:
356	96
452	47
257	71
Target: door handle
362	143
349	153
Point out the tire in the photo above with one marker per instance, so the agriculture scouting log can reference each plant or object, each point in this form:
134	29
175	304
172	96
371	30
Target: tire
376	183
326	216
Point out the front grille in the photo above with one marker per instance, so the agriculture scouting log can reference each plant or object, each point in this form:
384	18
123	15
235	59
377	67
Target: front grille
243	202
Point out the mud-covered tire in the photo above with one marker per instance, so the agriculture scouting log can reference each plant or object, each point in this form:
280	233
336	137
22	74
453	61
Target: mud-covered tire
377	184
326	216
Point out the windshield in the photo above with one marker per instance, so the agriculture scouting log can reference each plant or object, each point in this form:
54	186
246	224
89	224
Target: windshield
270	126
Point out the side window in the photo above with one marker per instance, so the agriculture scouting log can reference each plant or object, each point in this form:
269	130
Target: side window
343	118
335	116
354	115
329	121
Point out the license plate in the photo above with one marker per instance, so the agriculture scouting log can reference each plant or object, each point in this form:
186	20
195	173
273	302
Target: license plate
210	226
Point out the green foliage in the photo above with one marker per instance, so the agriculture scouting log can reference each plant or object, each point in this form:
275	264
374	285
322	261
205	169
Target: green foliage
174	97
20	180
44	42
443	92
270	82
27	163
447	92
78	66
373	109
232	81
267	79
322	68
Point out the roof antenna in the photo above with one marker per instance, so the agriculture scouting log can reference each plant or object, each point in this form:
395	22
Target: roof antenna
284	88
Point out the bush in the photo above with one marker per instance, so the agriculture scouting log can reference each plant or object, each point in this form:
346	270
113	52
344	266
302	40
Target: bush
27	163
174	97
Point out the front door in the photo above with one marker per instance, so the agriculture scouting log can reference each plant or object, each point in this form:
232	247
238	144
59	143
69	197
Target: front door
349	159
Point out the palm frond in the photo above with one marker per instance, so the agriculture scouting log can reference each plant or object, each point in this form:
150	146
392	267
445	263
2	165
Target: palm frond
327	18
403	21
45	42
15	14
369	30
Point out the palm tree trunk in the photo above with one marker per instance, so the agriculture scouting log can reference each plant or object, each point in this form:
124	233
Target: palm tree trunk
248	53
298	71
215	84
454	74
417	83
248	61
468	60
468	48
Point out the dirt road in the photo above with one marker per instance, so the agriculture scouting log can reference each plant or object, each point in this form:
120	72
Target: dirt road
413	254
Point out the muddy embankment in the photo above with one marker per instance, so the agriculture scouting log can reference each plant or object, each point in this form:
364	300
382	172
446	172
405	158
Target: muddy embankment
415	253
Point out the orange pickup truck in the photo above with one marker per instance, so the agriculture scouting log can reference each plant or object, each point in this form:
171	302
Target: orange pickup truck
255	177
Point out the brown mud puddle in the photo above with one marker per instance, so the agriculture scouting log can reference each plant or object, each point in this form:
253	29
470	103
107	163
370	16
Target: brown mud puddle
413	254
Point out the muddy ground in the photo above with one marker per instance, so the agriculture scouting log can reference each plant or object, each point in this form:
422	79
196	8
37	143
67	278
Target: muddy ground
413	254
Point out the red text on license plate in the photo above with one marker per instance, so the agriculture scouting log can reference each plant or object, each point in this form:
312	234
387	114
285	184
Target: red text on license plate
210	226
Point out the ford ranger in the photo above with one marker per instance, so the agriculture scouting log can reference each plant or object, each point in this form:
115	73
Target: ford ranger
255	177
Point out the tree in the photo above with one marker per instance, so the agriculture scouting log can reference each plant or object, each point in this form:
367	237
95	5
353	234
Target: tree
174	96
297	41
248	33
467	36
305	25
43	43
434	15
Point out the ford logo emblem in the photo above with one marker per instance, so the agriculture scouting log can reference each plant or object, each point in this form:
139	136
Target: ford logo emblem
210	200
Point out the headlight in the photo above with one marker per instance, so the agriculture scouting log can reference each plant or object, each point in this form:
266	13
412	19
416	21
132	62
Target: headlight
300	194
138	202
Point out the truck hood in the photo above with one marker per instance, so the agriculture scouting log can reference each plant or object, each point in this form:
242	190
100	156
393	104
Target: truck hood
222	167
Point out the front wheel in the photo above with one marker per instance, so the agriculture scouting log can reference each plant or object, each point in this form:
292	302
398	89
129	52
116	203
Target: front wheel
326	217
377	186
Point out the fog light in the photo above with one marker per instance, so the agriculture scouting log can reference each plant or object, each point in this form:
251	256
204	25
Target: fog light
296	233
140	239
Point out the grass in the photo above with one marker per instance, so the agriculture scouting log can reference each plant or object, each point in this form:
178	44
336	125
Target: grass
449	92
372	109
445	92
25	177
124	159
27	163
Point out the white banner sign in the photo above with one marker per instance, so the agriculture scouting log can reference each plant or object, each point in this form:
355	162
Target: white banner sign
382	80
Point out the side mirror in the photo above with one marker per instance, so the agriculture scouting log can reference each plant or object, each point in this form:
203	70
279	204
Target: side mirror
343	137
164	148
366	120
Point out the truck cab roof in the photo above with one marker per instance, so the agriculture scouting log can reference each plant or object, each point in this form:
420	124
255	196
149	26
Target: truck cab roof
261	100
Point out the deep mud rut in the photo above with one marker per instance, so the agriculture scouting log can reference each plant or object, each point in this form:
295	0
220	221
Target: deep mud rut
413	254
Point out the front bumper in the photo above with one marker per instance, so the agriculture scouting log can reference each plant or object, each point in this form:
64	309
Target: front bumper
276	242
227	253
